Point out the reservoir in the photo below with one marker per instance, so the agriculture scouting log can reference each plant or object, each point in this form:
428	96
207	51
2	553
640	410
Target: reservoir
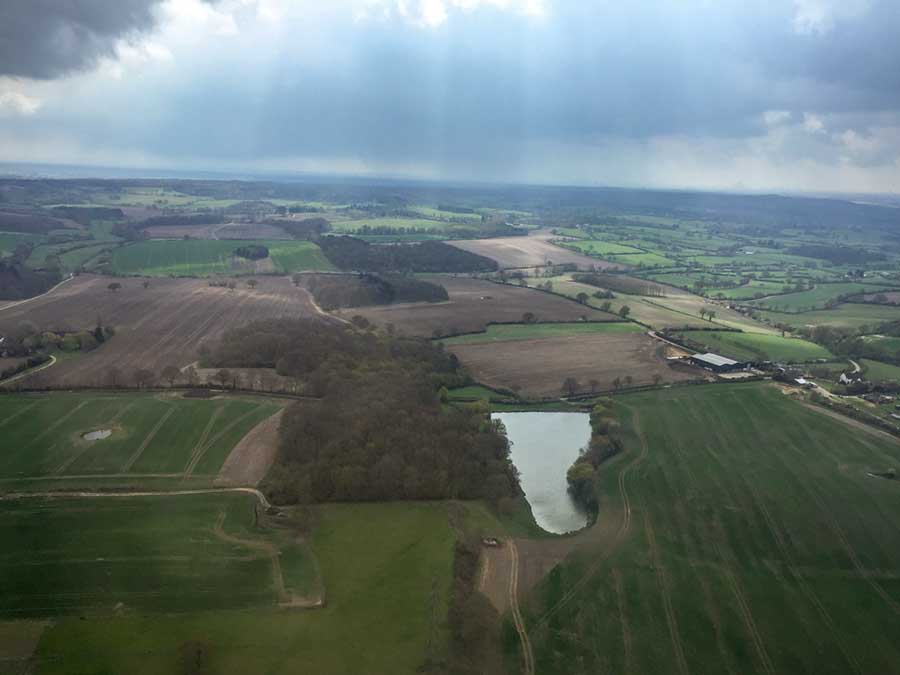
543	447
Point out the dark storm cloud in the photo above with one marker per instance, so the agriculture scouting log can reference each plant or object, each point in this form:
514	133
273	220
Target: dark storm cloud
43	39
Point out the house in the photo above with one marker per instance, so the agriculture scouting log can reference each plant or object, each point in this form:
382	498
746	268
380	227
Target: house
803	382
716	363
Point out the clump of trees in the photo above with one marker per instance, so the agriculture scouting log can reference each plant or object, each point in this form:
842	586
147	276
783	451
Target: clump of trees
332	291
349	253
18	281
378	429
582	475
252	252
620	283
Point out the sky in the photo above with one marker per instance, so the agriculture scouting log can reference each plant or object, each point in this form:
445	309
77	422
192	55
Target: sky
739	95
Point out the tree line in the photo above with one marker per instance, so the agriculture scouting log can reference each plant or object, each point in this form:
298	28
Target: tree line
338	290
349	253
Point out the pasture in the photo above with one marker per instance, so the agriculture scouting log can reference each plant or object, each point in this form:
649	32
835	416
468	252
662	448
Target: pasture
751	540
151	435
473	304
165	323
847	315
386	571
757	347
514	332
202	258
815	298
879	372
120	555
536	368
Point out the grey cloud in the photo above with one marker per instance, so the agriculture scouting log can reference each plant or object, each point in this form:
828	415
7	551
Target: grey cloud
44	39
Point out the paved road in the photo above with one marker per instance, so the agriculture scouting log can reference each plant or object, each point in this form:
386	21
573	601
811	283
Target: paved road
29	372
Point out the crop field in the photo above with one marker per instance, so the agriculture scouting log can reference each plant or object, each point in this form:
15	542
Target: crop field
514	332
536	368
43	435
531	251
848	315
385	568
815	298
752	540
109	556
163	324
758	347
190	257
601	248
472	306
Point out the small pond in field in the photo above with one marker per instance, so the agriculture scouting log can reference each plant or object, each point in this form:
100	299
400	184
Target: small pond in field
97	435
543	447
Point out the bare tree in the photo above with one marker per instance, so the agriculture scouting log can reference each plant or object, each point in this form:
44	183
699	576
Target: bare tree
143	377
252	283
595	384
113	376
146	283
617	383
171	373
569	386
629	380
114	286
192	375
657	379
223	377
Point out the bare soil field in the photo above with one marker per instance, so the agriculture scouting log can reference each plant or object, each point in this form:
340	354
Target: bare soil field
249	231
532	251
253	456
473	304
165	323
180	231
537	368
891	296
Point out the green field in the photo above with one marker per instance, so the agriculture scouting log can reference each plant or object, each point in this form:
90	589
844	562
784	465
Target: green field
757	543
887	343
196	257
41	436
878	371
602	248
9	241
757	347
122	555
535	331
386	571
849	315
815	298
476	392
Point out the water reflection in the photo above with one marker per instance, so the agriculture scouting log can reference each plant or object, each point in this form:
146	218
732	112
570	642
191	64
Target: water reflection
544	445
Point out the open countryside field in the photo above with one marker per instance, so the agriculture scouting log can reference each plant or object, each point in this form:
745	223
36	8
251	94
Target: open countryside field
879	372
532	251
848	315
362	224
536	368
755	542
122	555
152	435
190	257
816	298
757	347
474	304
513	332
165	323
385	568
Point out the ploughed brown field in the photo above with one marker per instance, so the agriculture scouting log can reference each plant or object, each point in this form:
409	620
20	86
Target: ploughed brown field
531	251
473	304
219	231
537	368
163	324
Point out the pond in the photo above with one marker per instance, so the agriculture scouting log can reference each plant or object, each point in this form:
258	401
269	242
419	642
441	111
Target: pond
97	435
543	447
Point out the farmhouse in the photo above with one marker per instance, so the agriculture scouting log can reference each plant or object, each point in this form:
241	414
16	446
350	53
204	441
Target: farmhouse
716	363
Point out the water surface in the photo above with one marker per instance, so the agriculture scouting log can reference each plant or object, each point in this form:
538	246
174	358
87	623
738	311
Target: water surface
544	445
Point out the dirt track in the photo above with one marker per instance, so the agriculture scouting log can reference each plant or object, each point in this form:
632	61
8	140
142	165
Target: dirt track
250	460
163	324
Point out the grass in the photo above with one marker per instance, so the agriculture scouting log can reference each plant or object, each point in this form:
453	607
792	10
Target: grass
878	371
386	568
41	436
815	298
9	240
751	516
195	257
476	392
602	248
758	347
888	343
535	331
121	555
849	315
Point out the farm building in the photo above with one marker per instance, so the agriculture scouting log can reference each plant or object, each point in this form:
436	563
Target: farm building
716	363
